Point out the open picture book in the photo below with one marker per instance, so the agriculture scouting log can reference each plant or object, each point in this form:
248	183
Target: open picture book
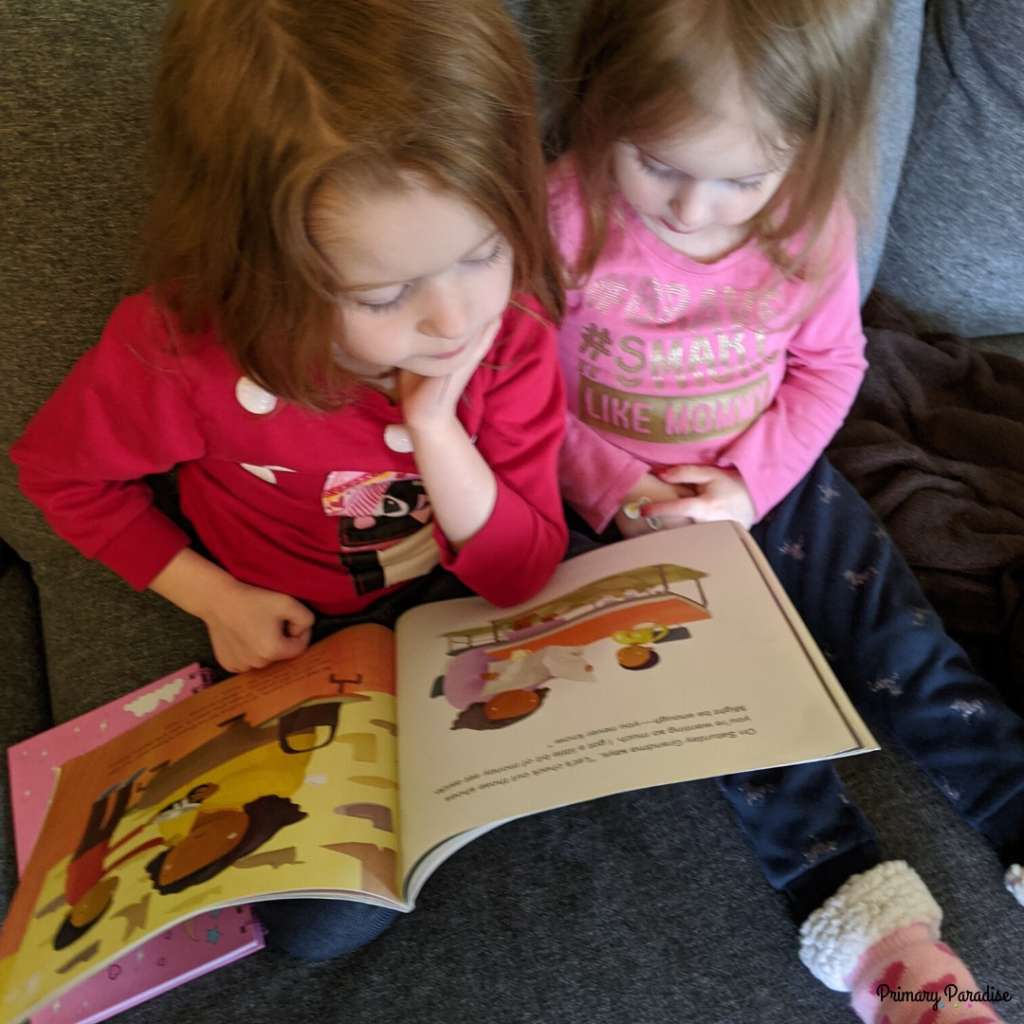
354	770
169	958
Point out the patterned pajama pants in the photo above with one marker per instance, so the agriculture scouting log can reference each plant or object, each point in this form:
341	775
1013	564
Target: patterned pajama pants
902	671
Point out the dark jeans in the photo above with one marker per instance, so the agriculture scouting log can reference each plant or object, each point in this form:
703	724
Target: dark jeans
909	679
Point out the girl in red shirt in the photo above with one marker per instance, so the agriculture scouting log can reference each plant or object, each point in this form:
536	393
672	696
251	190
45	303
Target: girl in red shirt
345	346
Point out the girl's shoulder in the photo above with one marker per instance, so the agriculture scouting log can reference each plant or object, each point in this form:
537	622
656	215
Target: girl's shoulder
143	330
524	324
835	248
566	206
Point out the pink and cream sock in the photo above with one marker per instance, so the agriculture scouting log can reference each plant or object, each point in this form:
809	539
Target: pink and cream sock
910	977
877	937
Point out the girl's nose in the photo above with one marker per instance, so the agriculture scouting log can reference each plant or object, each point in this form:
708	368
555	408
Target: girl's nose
444	313
687	205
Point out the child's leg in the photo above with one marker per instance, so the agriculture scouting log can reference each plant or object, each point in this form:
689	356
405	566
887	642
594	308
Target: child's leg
878	938
890	651
321	929
865	609
807	835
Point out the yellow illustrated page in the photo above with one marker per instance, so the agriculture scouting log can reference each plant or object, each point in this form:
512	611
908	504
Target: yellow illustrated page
280	781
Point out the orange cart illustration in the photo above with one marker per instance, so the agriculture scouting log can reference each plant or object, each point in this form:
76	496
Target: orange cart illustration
499	671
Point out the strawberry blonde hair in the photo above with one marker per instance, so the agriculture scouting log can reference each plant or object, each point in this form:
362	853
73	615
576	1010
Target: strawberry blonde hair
647	68
260	102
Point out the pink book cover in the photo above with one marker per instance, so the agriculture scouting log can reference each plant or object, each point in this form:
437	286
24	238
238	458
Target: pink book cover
193	948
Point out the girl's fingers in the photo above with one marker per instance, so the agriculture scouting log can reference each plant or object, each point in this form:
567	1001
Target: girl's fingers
299	619
689	474
680	508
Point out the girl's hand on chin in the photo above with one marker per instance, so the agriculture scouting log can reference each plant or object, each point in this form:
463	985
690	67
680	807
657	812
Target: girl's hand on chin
429	402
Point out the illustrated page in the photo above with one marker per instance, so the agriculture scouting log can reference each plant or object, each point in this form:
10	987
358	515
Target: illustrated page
666	658
277	781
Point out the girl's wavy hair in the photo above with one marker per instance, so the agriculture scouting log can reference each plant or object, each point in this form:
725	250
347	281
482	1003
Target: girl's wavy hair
645	69
260	102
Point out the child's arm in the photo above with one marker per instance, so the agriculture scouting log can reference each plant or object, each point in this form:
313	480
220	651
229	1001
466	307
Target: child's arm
125	412
249	627
461	486
824	368
597	477
495	495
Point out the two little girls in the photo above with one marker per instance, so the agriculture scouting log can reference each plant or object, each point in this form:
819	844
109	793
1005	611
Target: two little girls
364	417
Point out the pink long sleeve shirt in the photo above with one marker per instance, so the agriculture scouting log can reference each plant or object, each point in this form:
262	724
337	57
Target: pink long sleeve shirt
668	361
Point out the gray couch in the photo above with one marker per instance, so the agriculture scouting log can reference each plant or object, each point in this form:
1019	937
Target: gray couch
643	907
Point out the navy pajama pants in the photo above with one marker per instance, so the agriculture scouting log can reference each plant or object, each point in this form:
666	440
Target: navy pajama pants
902	671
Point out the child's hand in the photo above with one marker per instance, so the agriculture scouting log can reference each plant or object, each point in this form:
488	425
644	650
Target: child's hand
718	494
658	493
251	627
428	401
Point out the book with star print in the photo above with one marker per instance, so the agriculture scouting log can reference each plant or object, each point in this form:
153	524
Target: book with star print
354	770
202	944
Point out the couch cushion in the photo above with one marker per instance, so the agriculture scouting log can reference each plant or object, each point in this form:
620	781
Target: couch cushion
955	251
23	703
897	95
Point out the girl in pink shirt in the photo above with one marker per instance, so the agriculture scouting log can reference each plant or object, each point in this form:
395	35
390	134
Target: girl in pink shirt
711	348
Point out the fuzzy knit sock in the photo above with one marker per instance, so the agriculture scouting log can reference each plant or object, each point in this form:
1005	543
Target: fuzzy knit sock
1014	880
878	938
909	977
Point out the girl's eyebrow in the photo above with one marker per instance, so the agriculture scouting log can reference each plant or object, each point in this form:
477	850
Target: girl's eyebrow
409	280
679	170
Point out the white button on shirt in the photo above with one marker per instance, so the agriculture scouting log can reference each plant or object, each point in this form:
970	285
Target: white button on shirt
252	398
397	438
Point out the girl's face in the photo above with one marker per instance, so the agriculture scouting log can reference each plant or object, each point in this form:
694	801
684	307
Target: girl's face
699	189
422	275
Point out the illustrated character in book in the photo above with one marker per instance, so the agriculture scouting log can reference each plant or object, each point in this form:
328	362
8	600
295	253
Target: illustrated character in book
90	883
249	805
492	693
218	838
384	531
207	829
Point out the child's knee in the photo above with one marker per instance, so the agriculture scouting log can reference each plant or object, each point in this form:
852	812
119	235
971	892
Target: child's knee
315	929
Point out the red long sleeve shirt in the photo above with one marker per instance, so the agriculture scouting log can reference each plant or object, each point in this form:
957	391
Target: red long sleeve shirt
326	507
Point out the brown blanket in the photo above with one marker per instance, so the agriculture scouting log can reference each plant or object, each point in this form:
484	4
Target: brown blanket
935	442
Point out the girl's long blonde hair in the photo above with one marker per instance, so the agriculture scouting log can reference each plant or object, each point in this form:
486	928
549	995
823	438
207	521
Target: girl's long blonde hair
260	102
644	69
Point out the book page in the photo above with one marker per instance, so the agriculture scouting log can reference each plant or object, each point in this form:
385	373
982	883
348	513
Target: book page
170	958
671	657
278	781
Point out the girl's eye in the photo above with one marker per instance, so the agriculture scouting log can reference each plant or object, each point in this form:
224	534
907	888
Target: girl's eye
382	306
744	186
653	167
492	257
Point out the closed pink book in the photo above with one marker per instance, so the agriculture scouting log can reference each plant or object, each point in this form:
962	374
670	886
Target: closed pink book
202	944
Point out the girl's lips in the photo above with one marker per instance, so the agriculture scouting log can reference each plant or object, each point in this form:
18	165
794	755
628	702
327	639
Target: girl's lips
449	355
677	230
